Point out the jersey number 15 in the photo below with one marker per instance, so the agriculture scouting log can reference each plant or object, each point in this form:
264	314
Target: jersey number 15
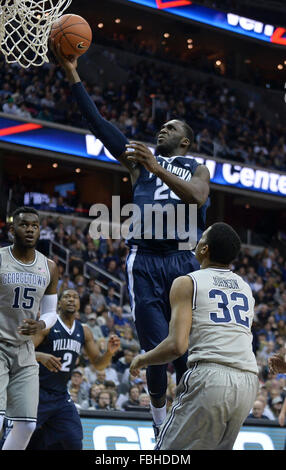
25	300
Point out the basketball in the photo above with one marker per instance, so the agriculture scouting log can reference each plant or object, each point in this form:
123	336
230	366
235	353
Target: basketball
73	33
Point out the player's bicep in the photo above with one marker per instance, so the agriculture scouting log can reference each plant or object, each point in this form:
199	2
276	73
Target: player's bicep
201	181
181	296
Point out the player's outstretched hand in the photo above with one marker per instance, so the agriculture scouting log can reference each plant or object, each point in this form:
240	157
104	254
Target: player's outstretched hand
68	63
31	327
140	153
136	365
113	344
277	364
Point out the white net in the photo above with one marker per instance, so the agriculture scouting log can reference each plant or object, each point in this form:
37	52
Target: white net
25	27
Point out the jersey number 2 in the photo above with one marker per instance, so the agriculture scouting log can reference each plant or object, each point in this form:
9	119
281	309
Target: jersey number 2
67	362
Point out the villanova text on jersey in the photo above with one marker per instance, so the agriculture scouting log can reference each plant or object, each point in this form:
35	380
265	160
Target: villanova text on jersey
177	220
66	344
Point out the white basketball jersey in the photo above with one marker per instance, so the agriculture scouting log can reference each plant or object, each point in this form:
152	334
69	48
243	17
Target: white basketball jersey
223	310
22	287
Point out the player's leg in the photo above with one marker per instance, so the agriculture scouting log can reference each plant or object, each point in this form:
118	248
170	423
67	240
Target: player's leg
63	428
5	363
209	398
148	303
176	265
22	398
20	435
46	409
245	389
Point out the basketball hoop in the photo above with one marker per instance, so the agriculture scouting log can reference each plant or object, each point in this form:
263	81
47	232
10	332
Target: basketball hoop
25	27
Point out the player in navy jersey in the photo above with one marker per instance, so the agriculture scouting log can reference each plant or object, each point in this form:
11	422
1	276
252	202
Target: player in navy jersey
57	350
169	179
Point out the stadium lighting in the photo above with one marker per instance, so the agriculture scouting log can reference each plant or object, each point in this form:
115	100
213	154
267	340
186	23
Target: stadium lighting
166	35
139	27
55	165
190	46
218	63
77	170
189	41
117	20
280	66
100	25
29	166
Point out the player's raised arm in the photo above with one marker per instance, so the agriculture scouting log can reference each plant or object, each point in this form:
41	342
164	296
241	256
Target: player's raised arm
111	137
92	350
177	342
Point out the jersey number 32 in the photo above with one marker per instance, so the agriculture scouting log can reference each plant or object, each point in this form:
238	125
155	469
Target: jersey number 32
230	313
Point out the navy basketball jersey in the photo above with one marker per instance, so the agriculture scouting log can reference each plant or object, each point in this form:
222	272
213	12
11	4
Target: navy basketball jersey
66	344
155	225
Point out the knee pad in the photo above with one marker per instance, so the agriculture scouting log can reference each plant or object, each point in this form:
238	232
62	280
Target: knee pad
157	380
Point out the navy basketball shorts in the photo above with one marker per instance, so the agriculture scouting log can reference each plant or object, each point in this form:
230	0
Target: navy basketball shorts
150	277
58	423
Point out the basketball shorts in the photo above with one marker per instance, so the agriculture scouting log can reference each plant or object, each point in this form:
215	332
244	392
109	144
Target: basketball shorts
19	381
150	277
58	422
212	403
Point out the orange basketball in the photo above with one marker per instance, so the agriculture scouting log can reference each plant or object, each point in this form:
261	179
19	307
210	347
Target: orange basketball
73	33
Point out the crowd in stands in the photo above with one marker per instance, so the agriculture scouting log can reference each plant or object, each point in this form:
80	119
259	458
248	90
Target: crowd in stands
105	314
153	93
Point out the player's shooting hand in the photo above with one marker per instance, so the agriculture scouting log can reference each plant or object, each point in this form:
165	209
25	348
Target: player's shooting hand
68	63
277	364
31	327
140	153
113	344
136	365
52	363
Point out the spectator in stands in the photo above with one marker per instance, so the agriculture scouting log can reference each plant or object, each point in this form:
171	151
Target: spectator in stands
95	390
257	410
144	401
109	327
127	339
10	107
91	322
91	253
104	400
119	321
276	406
78	384
97	299
111	299
267	352
133	399
124	362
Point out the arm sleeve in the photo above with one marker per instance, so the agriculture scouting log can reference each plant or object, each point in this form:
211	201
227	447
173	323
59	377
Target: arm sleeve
111	137
48	310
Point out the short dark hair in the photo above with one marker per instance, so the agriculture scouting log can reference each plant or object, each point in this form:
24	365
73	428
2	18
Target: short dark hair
223	242
24	210
189	133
